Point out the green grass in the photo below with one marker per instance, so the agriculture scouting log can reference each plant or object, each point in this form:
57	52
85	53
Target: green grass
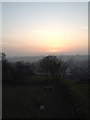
79	93
24	101
39	77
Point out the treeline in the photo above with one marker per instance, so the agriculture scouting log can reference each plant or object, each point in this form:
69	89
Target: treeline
15	72
20	71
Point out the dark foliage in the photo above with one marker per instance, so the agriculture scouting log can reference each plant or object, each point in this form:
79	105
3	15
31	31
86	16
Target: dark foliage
15	72
53	66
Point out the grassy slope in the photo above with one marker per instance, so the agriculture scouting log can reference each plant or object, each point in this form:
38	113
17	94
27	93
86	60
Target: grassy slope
25	100
79	94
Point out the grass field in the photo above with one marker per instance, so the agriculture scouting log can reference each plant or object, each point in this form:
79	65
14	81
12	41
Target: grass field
24	100
79	93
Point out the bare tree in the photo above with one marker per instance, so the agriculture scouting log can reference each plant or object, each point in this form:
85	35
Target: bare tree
49	65
53	66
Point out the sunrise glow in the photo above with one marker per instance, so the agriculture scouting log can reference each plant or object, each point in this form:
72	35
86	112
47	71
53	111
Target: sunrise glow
45	28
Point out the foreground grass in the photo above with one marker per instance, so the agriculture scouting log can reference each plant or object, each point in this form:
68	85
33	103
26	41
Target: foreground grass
79	95
24	100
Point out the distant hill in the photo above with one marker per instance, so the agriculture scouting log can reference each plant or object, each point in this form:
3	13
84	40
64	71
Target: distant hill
25	59
37	58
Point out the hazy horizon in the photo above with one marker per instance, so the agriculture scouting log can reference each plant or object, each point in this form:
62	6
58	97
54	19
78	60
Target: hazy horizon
36	29
21	56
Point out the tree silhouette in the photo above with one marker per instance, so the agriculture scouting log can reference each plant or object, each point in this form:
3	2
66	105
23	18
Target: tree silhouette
15	72
53	66
5	65
49	65
21	71
63	66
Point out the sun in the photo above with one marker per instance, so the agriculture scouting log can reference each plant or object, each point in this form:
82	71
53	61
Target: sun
54	50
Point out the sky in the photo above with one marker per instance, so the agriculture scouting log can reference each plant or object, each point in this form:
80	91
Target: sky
38	28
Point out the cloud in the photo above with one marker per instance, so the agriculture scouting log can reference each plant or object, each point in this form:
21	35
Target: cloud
84	27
